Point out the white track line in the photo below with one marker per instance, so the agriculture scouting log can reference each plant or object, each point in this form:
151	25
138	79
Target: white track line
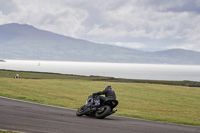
36	103
112	115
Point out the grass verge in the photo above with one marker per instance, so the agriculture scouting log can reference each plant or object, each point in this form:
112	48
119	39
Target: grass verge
158	102
1	131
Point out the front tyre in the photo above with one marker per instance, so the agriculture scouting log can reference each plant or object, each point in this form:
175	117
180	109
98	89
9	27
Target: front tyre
80	111
103	112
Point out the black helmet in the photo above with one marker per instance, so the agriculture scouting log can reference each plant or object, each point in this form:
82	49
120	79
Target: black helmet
108	88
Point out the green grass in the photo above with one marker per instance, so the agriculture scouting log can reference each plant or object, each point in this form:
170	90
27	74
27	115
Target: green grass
8	132
158	102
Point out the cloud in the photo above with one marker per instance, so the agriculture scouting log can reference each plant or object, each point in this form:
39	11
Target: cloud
7	7
142	24
48	15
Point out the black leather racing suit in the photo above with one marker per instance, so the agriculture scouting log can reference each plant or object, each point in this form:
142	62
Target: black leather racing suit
109	95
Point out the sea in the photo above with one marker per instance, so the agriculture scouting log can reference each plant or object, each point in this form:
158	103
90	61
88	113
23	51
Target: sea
116	70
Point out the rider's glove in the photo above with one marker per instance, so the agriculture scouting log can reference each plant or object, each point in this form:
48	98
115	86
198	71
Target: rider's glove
94	94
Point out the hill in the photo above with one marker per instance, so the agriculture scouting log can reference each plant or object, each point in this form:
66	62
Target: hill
21	41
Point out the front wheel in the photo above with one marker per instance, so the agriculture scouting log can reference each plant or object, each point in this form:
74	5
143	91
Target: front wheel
80	111
103	112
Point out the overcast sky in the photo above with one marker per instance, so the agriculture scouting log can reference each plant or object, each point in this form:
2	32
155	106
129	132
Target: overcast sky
149	25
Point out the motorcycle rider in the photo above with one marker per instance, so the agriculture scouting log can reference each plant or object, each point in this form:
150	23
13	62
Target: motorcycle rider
93	106
108	92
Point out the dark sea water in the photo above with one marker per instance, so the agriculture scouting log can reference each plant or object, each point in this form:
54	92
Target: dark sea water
117	70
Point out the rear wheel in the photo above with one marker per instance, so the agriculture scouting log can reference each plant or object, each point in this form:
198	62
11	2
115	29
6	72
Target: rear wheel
103	112
80	111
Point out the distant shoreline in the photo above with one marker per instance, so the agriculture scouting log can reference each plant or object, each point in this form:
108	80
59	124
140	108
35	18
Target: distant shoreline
113	62
112	79
74	61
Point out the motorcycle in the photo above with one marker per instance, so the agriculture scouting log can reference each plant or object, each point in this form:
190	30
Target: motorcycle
95	108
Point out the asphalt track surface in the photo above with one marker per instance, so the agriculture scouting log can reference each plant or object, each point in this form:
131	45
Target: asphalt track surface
36	118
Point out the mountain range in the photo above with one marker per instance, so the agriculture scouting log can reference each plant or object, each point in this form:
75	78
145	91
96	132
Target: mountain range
25	42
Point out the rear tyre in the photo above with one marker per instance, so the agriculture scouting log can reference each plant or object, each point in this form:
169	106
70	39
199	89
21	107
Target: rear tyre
80	111
105	111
